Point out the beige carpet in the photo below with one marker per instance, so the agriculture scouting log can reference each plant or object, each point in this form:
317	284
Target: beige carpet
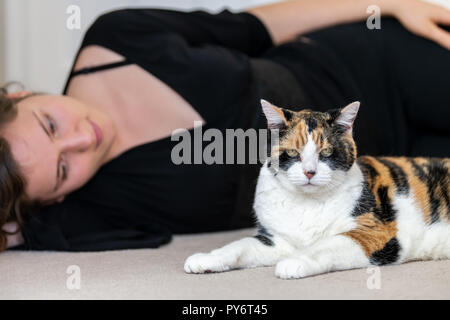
159	274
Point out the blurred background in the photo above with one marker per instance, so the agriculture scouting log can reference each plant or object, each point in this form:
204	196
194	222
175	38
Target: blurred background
37	48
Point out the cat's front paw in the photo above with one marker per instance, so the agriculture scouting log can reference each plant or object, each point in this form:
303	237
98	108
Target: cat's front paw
295	268
205	262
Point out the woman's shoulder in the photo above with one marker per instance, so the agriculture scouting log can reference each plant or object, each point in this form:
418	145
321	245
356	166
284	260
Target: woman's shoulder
111	19
105	25
127	19
128	28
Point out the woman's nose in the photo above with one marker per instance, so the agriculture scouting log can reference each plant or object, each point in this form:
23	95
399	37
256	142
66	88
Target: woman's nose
77	140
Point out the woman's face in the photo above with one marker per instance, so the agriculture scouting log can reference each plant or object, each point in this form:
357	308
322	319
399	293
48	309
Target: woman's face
59	143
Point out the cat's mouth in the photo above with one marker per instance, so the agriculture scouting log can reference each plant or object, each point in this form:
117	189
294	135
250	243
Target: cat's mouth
309	184
302	184
309	187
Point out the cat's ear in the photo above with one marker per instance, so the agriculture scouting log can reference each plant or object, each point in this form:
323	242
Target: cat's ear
276	117
347	116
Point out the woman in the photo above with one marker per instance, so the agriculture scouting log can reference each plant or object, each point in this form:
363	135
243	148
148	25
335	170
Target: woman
97	160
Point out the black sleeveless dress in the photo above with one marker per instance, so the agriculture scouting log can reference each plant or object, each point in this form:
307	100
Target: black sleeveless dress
222	64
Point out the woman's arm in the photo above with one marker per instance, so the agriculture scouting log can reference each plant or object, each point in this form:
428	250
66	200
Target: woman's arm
287	19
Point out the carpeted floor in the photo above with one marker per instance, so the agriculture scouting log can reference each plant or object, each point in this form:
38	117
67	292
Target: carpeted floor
159	274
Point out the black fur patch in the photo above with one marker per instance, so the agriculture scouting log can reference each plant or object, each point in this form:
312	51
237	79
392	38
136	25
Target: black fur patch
288	115
446	197
334	113
389	254
285	162
367	169
264	236
386	212
437	173
434	206
311	123
367	202
398	175
418	171
339	129
342	152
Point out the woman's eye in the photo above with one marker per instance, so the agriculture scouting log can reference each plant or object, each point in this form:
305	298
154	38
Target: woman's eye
63	171
327	152
292	153
51	124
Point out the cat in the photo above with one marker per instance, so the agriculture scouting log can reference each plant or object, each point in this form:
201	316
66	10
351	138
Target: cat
319	208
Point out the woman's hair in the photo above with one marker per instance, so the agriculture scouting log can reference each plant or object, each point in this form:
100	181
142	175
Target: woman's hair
12	182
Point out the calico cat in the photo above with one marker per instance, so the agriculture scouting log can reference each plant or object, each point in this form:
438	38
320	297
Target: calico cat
322	209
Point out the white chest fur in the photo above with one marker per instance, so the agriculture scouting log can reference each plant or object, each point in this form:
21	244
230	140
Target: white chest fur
302	219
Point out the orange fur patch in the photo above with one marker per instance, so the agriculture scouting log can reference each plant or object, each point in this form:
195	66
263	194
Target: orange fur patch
372	234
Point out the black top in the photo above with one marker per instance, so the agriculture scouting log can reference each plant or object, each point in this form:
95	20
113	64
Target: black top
222	64
140	198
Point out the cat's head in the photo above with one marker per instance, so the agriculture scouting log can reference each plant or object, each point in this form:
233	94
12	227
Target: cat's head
315	149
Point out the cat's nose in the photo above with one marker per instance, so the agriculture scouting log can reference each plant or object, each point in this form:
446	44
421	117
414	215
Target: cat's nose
309	174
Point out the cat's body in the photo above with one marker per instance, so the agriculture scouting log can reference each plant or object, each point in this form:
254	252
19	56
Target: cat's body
324	211
394	231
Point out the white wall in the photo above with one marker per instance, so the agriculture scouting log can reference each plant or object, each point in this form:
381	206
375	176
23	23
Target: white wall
39	49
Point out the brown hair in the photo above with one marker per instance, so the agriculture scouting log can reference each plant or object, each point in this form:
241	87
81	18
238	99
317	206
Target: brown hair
12	182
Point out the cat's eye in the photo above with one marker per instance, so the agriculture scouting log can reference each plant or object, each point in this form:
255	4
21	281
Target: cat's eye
292	153
327	151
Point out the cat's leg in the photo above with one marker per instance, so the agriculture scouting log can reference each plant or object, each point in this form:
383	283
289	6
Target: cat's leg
248	252
336	253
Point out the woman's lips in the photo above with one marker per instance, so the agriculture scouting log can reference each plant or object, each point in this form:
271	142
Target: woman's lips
98	132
